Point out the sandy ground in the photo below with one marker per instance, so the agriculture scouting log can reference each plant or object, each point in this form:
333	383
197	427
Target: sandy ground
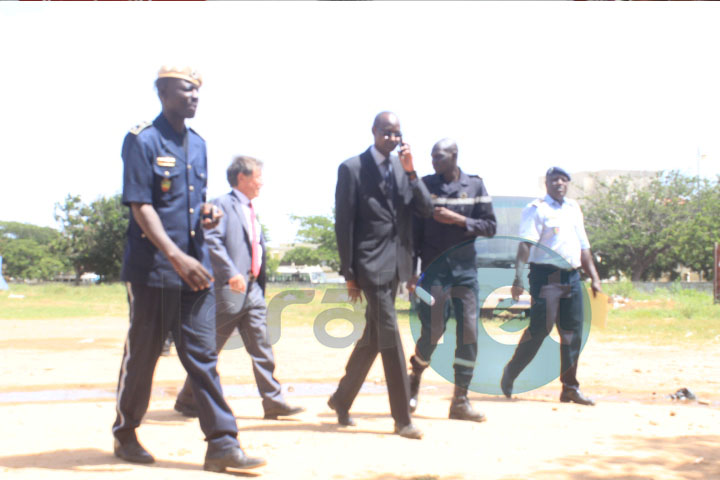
57	406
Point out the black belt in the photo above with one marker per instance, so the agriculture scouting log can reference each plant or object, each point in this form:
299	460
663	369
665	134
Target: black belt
552	268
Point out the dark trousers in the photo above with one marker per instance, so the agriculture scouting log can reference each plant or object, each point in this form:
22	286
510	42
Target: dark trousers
556	300
248	314
381	335
452	293
190	317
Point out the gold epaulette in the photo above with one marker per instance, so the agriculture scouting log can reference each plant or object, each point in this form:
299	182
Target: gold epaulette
140	127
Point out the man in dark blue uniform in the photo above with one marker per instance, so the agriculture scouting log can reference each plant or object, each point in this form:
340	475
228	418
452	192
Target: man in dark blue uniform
462	211
167	264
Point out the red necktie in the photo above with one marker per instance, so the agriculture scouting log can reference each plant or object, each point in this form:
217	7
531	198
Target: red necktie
255	261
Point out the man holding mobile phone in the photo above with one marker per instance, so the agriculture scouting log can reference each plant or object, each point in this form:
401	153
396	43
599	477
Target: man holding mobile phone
375	198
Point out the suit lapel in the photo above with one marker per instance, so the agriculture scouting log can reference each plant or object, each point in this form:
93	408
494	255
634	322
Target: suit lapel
367	163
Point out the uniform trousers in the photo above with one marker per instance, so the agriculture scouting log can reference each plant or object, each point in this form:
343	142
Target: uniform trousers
248	314
381	335
556	300
453	292
190	317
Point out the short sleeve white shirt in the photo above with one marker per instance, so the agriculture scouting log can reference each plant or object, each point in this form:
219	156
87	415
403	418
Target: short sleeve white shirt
558	226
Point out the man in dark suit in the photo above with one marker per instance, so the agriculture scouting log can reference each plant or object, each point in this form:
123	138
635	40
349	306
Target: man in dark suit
237	255
375	198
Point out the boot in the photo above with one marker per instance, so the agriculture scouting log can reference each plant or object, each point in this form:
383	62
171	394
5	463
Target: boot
460	408
417	368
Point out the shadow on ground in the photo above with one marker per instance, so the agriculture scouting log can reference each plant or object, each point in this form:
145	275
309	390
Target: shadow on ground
693	457
92	460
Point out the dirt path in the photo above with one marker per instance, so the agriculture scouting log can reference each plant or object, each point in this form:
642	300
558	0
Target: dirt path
57	405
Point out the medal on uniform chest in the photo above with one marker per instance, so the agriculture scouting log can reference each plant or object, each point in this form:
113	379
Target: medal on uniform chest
463	195
165	185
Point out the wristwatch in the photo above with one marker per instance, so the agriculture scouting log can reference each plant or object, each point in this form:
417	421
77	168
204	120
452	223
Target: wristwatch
412	175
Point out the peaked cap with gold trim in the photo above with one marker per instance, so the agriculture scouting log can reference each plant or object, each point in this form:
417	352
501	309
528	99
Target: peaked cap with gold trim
183	73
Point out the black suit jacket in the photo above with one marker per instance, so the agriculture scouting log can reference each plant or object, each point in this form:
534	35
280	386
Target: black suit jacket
374	234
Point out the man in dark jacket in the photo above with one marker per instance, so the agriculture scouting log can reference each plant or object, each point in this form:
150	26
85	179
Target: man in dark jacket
375	197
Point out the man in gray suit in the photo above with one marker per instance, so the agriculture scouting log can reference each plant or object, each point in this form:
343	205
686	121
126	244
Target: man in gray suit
237	255
375	197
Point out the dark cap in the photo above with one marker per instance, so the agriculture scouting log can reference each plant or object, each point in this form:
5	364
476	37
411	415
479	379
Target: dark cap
557	171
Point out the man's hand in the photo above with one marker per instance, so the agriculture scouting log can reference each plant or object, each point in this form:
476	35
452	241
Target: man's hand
211	215
354	292
238	283
516	290
595	286
190	270
412	283
405	156
447	216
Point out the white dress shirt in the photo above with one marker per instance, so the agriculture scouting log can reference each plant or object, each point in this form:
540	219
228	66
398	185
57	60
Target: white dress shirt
379	159
245	206
558	226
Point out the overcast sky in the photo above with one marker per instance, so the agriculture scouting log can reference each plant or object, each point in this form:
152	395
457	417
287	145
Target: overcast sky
520	86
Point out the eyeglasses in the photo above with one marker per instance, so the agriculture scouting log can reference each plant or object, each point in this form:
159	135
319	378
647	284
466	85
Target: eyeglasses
390	135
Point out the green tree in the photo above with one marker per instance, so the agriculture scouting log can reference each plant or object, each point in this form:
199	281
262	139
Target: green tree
29	252
318	230
17	230
107	231
74	219
271	265
25	258
638	230
301	256
93	236
695	242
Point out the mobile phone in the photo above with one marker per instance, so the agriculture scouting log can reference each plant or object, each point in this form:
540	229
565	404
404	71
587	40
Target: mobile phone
208	215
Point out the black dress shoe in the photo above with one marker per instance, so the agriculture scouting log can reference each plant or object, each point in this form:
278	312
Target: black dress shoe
132	451
233	458
186	409
460	409
282	410
506	383
409	431
575	396
343	416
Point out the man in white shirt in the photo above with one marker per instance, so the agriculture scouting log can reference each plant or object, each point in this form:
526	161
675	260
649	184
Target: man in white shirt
559	248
